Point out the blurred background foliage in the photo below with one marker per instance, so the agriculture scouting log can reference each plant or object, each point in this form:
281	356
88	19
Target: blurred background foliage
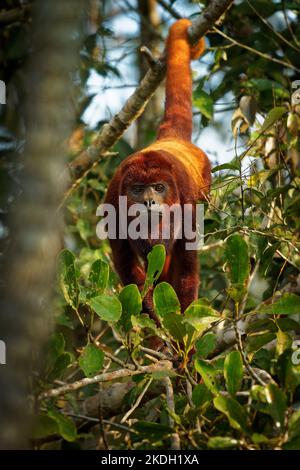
247	118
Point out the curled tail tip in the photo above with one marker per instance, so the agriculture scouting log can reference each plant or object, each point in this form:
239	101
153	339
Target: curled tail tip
179	30
198	49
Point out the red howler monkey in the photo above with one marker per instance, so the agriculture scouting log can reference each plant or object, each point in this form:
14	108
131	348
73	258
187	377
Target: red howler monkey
171	170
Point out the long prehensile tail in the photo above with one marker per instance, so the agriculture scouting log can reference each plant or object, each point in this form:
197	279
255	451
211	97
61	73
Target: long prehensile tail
177	120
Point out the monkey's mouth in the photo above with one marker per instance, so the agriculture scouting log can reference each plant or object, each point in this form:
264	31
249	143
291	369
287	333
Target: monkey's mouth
155	209
155	213
152	211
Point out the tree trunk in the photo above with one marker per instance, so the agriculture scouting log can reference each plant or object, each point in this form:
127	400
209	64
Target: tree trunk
35	226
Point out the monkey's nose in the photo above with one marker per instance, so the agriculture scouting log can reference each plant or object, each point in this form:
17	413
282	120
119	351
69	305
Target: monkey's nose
148	203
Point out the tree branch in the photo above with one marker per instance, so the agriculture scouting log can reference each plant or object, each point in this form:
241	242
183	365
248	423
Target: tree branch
112	131
106	377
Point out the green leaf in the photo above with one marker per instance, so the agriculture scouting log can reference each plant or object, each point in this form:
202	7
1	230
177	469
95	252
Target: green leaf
91	360
233	371
57	344
206	344
287	372
155	263
262	84
173	323
276	404
258	438
261	326
60	366
44	426
262	359
219	442
98	277
201	395
84	228
208	374
95	184
257	341
131	300
66	427
200	315
267	257
165	299
226	166
204	103
274	115
260	177
236	292
107	307
288	324
293	444
237	258
294	425
67	277
55	349
271	401
287	304
284	341
235	413
63	319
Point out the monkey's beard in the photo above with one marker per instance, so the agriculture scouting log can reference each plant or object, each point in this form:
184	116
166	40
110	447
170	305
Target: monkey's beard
154	229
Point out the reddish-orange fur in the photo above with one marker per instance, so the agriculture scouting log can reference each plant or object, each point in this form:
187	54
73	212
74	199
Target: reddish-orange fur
178	115
175	160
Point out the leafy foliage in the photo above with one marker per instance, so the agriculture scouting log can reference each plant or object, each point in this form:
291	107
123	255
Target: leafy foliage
232	350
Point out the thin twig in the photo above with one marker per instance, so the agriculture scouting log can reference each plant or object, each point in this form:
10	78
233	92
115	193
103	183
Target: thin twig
113	357
254	51
137	402
279	35
241	177
169	9
175	439
158	354
105	421
212	246
100	415
241	348
288	23
190	378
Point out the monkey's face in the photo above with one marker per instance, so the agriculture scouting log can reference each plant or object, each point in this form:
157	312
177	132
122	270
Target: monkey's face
152	195
151	187
156	193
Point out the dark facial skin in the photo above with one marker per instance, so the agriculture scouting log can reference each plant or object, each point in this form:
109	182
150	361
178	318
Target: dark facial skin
150	195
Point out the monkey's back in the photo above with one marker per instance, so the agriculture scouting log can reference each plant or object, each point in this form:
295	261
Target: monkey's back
194	160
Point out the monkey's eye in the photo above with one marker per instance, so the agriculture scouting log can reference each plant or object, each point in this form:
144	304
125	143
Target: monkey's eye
137	189
159	188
